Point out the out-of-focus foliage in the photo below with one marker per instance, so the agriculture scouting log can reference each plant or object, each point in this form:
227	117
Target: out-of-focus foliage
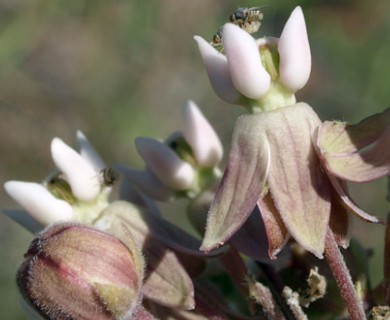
121	69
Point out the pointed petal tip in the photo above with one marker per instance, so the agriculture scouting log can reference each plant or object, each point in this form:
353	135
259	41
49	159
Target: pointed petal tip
294	51
246	69
200	135
165	163
82	177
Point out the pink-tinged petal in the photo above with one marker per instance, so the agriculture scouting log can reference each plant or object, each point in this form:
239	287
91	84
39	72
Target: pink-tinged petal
339	221
166	281
274	227
89	153
246	70
294	52
301	191
357	153
81	176
39	202
165	163
241	184
148	183
337	184
218	72
200	135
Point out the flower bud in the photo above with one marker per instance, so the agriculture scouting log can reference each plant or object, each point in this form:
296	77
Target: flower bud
72	271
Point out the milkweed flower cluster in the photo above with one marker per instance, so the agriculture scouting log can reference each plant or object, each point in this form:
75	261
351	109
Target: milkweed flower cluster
284	179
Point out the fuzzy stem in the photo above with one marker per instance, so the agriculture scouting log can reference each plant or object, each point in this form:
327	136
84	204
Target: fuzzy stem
343	278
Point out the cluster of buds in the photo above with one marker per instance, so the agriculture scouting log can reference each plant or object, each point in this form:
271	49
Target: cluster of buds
185	164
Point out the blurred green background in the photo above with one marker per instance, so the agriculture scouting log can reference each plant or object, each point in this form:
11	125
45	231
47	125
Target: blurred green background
122	69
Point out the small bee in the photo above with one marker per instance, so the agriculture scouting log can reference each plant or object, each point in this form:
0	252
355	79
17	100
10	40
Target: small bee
109	176
248	19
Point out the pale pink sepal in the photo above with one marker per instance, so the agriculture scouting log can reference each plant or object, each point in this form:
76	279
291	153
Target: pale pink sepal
165	163
294	52
246	70
337	184
218	71
200	135
241	185
39	202
148	183
89	153
300	190
356	153
81	176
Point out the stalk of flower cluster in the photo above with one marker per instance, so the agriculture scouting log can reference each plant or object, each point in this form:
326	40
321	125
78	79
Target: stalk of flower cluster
343	278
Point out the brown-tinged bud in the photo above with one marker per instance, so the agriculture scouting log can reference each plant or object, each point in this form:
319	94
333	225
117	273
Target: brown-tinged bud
73	271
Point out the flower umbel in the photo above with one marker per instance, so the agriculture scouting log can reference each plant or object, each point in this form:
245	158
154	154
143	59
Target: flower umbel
260	74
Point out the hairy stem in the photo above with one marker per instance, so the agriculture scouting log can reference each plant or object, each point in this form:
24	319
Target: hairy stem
343	278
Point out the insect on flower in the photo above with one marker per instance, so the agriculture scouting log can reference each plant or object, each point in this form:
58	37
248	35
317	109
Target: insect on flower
248	19
109	176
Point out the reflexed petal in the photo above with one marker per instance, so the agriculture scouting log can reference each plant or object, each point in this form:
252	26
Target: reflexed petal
241	185
339	221
274	227
218	72
89	153
201	136
248	74
294	51
39	202
82	177
167	282
357	153
165	163
301	191
148	183
349	203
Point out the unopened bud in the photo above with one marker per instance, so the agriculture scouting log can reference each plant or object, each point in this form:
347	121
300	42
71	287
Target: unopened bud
72	271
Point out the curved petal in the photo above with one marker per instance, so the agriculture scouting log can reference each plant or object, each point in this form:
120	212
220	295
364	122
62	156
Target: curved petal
89	153
82	177
241	184
39	202
218	72
277	234
349	203
294	52
301	191
165	163
357	153
200	135
246	70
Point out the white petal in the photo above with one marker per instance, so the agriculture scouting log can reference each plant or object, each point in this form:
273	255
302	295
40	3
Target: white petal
89	153
165	164
201	136
147	182
294	51
39	202
247	72
218	71
82	177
